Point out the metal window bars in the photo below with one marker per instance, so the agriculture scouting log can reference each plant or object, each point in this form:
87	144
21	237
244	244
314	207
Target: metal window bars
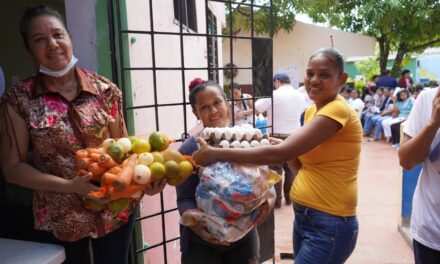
118	35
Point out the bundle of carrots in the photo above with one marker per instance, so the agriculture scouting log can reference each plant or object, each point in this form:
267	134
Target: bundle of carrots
116	180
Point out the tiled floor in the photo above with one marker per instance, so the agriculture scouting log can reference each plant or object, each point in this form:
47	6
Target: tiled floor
378	211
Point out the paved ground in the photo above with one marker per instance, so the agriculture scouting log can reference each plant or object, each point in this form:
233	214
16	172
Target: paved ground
378	211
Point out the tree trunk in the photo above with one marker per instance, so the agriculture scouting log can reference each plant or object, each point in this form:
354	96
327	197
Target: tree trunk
401	51
384	48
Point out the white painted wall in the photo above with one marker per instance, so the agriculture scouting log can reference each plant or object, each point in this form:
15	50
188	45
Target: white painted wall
81	21
168	54
295	48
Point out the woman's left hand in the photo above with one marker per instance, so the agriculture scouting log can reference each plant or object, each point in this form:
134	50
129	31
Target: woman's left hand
205	154
155	187
265	209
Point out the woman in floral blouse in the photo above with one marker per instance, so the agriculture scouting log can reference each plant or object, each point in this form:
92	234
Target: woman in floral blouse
55	112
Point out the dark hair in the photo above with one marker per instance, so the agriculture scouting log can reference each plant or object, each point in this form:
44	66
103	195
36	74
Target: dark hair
419	87
235	85
31	13
357	91
332	54
374	77
400	92
379	88
385	72
405	72
194	90
373	88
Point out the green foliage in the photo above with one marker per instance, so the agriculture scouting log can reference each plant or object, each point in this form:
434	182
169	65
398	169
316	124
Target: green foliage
368	67
283	17
400	26
425	74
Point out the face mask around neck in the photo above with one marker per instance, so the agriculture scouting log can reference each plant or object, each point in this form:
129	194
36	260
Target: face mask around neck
62	72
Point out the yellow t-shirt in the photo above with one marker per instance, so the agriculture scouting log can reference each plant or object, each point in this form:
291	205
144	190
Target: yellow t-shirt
327	180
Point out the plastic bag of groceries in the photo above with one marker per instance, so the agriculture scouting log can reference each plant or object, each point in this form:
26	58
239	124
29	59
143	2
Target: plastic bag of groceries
228	195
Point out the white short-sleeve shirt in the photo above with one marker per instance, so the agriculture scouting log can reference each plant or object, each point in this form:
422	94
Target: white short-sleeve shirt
425	217
288	106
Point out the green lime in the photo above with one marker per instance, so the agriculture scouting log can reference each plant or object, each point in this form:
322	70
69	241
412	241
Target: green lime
118	205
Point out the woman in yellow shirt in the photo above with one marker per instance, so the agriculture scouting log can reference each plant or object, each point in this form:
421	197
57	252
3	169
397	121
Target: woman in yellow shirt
326	152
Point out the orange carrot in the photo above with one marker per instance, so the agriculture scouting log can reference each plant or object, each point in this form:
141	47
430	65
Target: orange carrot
81	154
82	172
100	193
95	169
115	170
95	156
108	179
127	192
96	150
126	174
106	161
84	163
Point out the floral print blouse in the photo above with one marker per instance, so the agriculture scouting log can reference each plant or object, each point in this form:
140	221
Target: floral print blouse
57	128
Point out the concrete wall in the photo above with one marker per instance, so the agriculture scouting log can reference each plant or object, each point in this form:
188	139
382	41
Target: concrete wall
167	54
295	48
81	21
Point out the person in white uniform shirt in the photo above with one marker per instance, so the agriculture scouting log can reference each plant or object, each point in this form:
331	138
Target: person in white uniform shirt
288	105
421	144
356	102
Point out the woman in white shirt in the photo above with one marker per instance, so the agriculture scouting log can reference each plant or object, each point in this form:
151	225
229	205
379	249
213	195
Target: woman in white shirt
356	102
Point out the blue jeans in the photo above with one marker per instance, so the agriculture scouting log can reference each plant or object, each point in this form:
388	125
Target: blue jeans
368	124
378	124
319	237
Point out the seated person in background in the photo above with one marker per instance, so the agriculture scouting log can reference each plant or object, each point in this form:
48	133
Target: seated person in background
379	99
401	111
345	92
356	102
385	113
243	109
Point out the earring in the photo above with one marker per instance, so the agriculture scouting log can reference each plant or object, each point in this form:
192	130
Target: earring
198	122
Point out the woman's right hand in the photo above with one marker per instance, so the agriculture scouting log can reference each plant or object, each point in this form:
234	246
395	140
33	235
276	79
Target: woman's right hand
81	185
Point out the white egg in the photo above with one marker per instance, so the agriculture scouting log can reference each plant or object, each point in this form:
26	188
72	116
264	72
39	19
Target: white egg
245	144
258	135
264	142
224	144
255	143
248	134
227	133
236	144
217	135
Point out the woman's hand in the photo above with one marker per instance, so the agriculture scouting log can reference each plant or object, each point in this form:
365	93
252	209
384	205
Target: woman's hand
81	185
155	187
275	141
205	154
265	209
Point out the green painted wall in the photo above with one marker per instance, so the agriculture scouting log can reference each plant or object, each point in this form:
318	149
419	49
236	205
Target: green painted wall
104	54
352	71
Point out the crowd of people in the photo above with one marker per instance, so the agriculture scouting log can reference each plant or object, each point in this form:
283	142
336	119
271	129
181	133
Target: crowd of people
48	115
385	103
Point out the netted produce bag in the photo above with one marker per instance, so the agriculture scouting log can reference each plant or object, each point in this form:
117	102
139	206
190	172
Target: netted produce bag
228	195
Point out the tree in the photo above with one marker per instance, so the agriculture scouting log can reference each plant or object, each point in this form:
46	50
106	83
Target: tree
283	17
400	26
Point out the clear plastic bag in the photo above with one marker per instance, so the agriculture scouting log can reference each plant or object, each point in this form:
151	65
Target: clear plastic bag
229	194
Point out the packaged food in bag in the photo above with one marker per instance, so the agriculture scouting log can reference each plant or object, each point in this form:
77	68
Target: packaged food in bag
228	195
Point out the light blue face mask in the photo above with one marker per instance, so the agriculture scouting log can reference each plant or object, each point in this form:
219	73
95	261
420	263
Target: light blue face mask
62	72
